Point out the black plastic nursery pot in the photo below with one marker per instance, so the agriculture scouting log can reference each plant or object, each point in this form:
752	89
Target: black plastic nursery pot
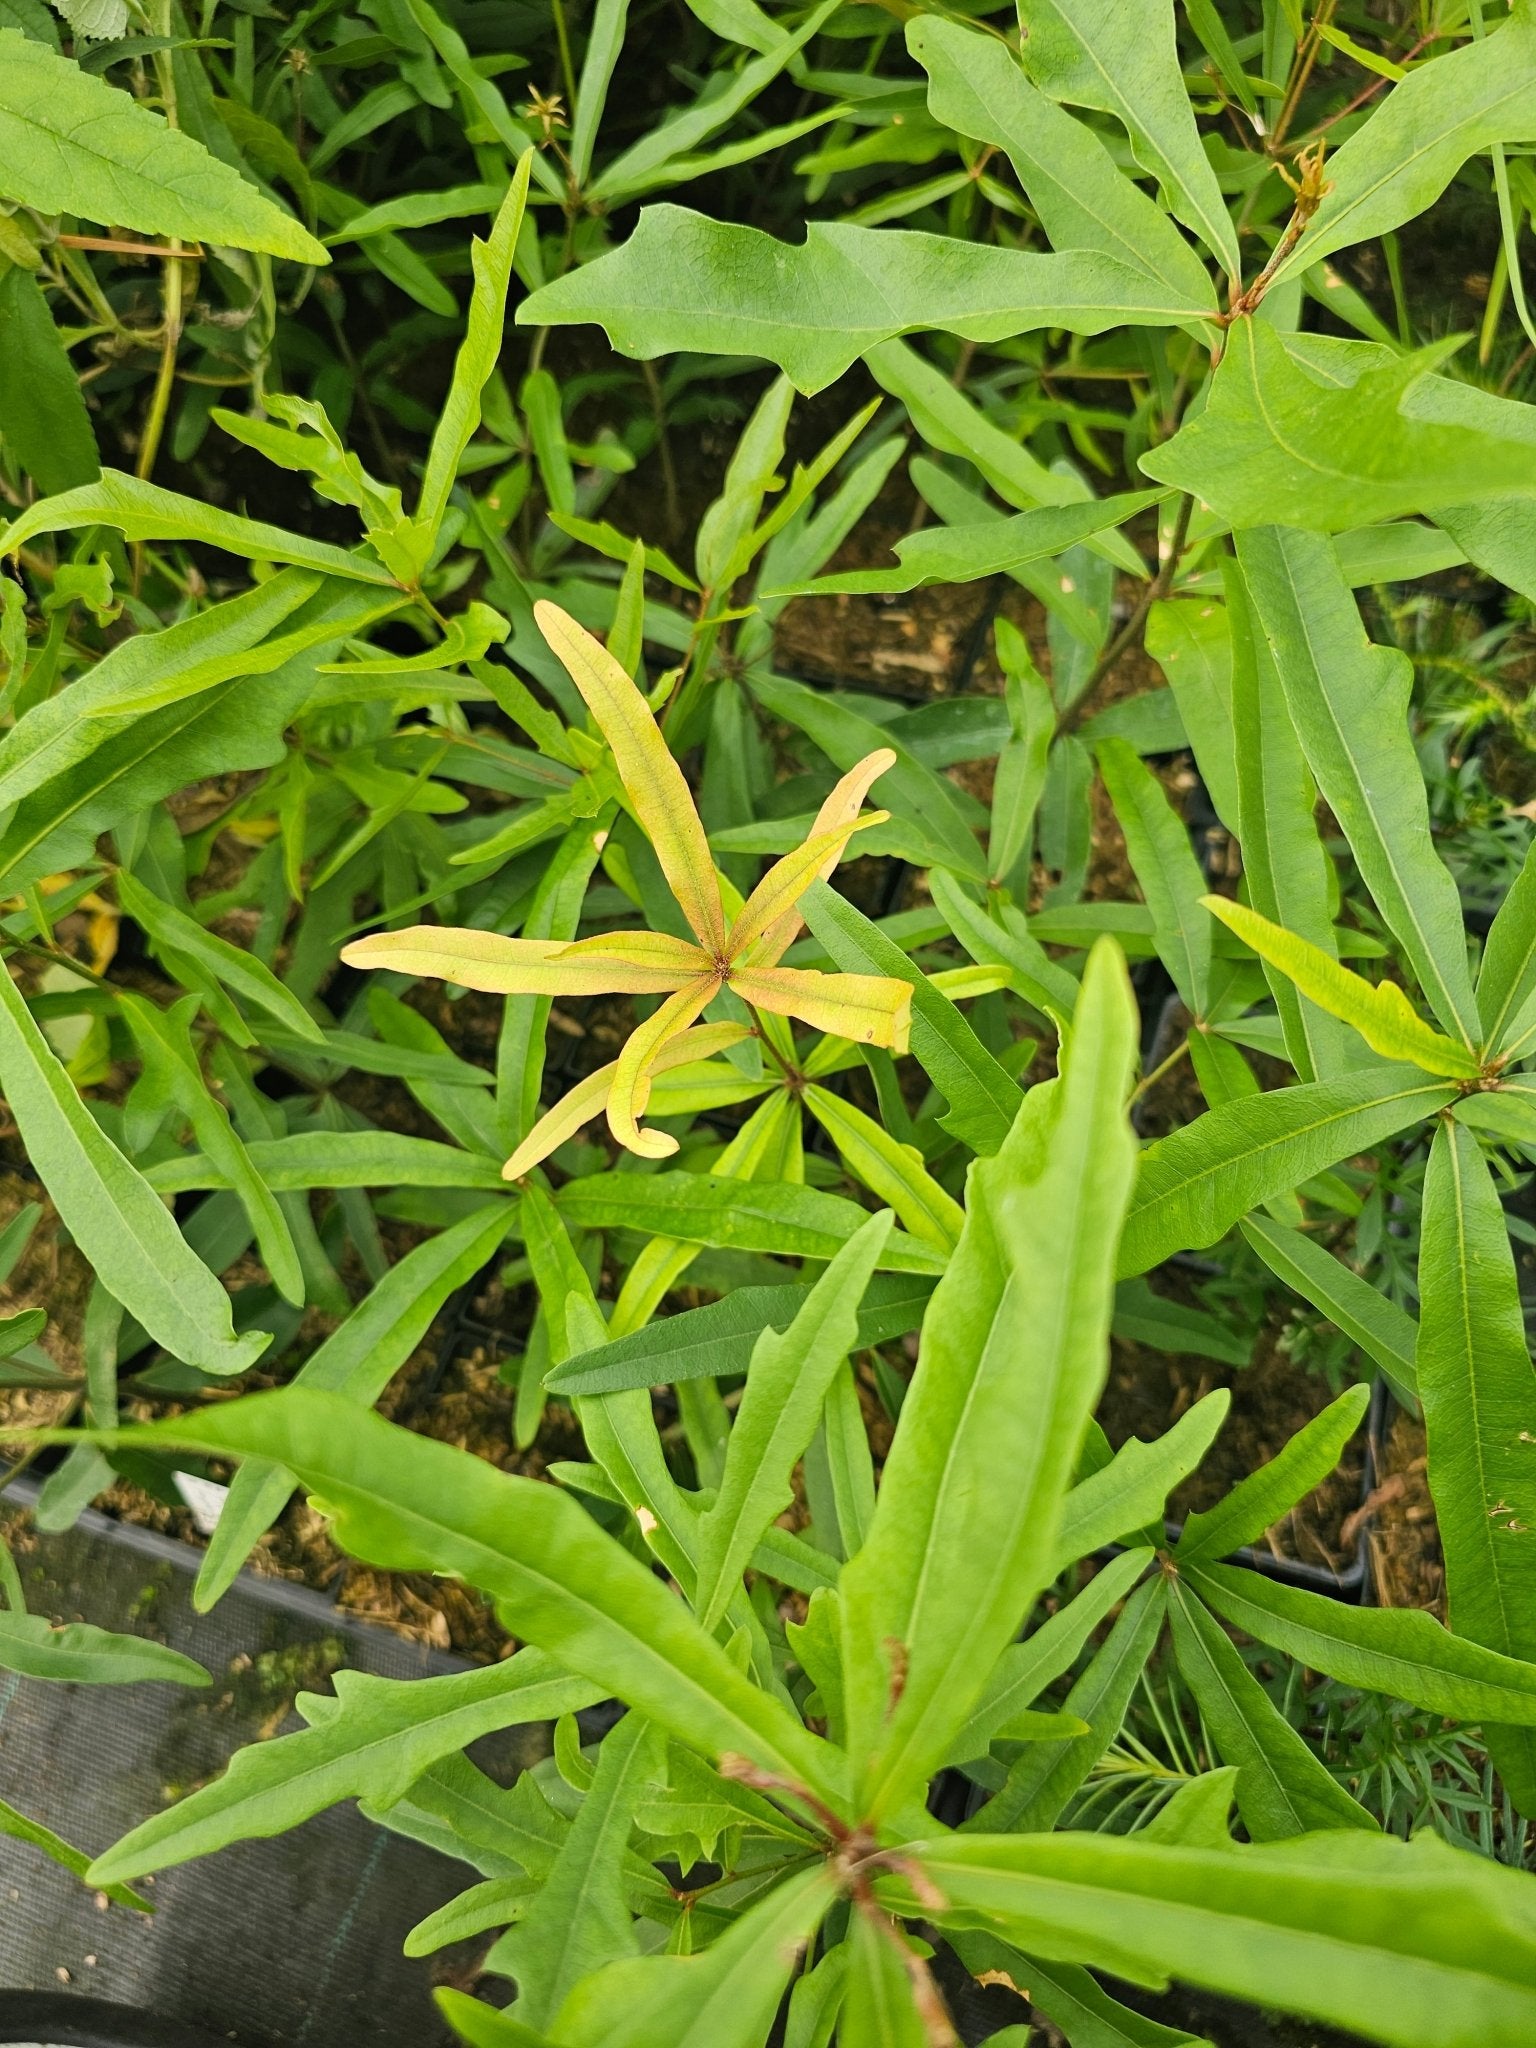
43	2019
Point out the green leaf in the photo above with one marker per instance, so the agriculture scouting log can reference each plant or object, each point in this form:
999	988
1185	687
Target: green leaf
485	2026
783	1217
1283	1787
1131	1490
877	2009
491	262
1363	1931
1400	1651
112	767
724	1998
144	511
1163	860
78	1654
1190	639
234	966
1399	162
195	654
1125	61
907	785
43	420
1507	976
371	1741
1083	199
1278	444
1479	1400
407	1503
1258	1502
1287	872
661	156
965	554
109	1209
357	1360
71	143
1047	1774
717	1340
1349	702
338	1159
787	1382
1070	1998
1369	1318
1024	1670
170	1061
1194	1185
1379	1011
682	282
1012	1359
579	1919
21	1828
1033	974
983	1098
893	1171
1167	1325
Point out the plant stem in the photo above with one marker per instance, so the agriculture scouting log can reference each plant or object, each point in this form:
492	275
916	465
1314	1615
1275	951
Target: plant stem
1130	632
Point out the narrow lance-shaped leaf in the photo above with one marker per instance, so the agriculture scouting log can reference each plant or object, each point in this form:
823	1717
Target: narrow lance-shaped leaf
1258	1502
1131	1491
1125	61
1370	1319
1379	1011
373	1740
1286	870
787	1382
724	1998
1045	1775
579	1919
492	265
145	511
72	143
358	1360
1400	1651
1012	1359
1478	1394
646	767
1363	1931
80	1654
1283	1786
1194	1185
1157	841
166	1048
1083	198
407	1503
1399	162
114	1216
983	1098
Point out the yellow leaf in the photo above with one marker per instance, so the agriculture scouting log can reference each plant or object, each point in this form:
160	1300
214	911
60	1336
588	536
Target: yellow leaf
633	1068
1381	1013
872	1009
653	779
647	952
513	967
775	897
589	1097
843	803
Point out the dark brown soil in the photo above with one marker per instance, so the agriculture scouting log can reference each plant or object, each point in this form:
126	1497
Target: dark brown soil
1404	1542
